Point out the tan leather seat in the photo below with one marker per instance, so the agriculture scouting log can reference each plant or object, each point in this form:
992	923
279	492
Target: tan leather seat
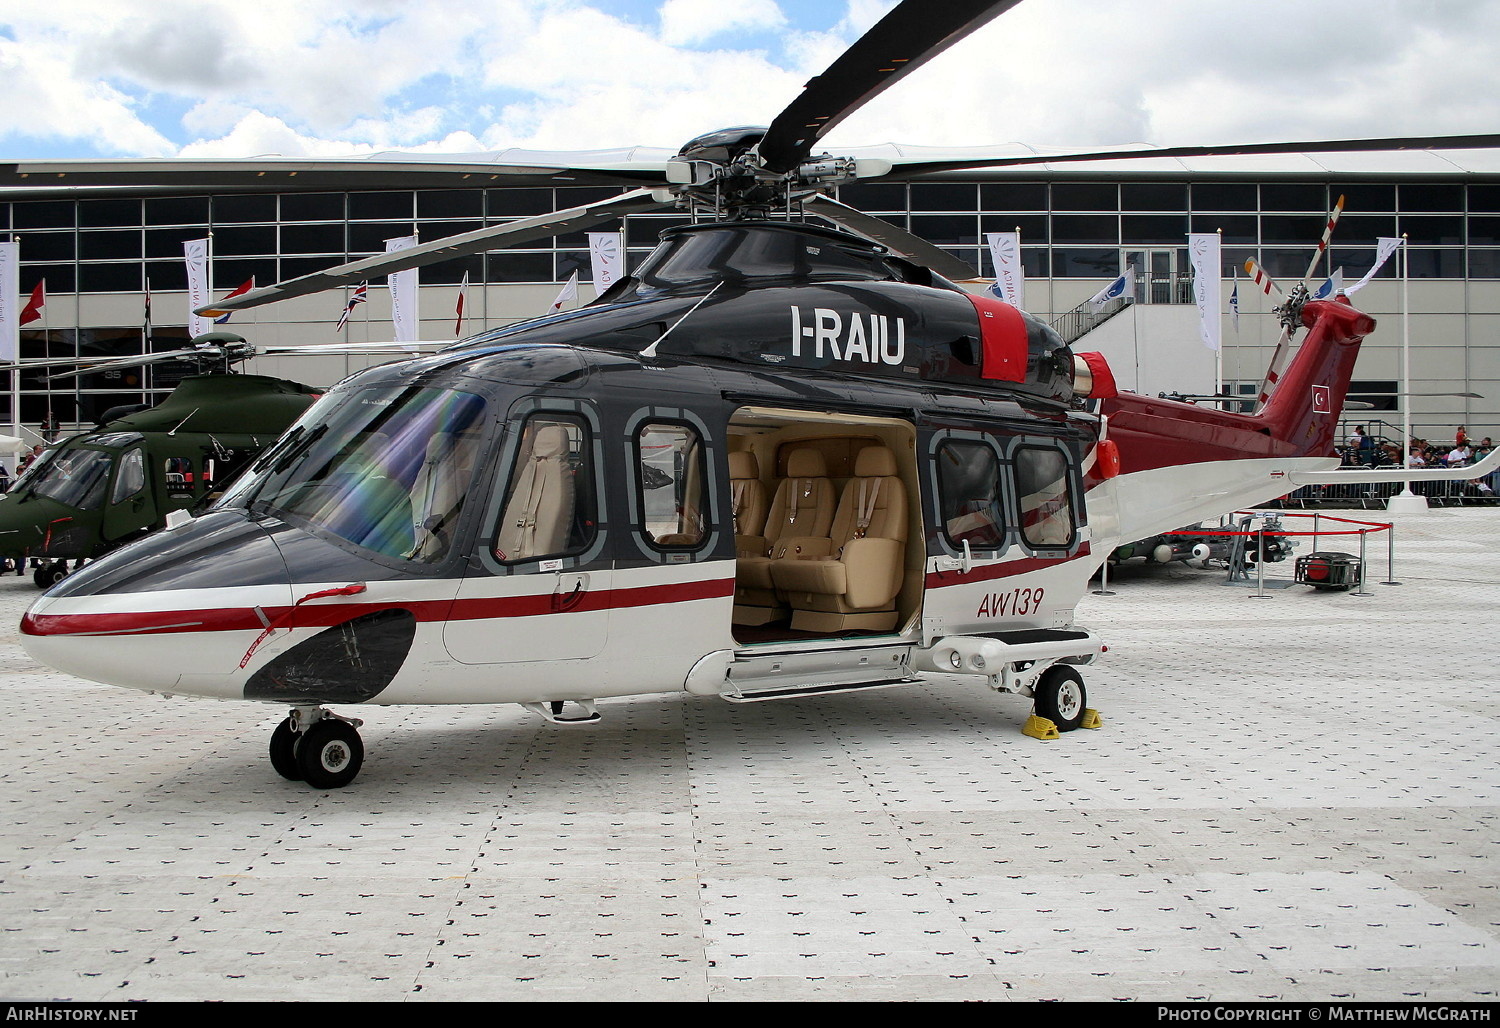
748	503
539	511
799	520
855	586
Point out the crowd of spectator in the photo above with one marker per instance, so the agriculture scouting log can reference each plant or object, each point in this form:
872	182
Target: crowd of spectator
1363	450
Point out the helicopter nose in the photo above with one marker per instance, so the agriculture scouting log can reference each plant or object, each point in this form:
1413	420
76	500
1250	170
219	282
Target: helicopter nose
182	605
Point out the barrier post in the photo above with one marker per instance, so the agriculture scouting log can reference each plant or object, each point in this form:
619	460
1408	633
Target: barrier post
1260	564
1390	556
1361	591
1103	589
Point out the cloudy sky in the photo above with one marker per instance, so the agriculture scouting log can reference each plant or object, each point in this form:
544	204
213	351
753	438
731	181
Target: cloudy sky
229	78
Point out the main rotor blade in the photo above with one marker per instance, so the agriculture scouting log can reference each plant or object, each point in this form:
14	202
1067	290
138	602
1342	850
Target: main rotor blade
897	239
491	238
135	361
905	39
1477	142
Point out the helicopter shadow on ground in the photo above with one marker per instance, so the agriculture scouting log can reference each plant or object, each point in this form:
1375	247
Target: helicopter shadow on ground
641	748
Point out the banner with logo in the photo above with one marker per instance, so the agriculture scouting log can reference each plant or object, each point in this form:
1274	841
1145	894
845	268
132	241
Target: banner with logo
1203	252
403	286
195	252
1010	278
10	301
607	251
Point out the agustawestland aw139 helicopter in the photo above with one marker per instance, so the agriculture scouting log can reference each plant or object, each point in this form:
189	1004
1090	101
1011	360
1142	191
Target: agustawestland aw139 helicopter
779	460
95	491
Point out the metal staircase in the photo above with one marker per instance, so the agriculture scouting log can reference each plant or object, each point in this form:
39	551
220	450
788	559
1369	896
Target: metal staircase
1083	319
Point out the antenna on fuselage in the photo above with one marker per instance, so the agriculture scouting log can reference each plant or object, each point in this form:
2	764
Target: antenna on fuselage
650	351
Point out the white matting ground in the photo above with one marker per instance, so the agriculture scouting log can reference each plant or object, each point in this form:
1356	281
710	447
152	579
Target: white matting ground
1292	798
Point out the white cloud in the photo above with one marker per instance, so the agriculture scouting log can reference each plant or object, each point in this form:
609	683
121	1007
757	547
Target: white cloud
44	100
155	77
689	22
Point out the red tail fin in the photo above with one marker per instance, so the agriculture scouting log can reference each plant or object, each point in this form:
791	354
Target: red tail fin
1309	398
1300	418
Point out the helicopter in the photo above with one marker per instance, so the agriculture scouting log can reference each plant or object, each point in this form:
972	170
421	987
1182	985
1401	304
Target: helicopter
783	458
92	492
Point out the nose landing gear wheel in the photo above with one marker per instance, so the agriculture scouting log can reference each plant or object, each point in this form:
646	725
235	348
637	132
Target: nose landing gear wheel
329	754
49	575
1061	697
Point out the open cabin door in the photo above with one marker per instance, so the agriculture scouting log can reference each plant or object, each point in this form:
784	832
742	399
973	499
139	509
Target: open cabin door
828	526
1007	508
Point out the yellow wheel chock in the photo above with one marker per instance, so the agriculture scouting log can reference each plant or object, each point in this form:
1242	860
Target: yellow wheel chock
1040	728
1043	728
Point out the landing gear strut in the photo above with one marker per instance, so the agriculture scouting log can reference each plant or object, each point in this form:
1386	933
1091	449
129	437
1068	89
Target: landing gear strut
318	747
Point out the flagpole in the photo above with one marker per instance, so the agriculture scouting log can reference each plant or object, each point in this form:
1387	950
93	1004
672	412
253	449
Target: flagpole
1406	500
15	373
1219	350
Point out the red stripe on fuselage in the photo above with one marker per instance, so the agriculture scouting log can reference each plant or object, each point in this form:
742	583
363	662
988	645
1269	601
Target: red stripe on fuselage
239	619
1008	569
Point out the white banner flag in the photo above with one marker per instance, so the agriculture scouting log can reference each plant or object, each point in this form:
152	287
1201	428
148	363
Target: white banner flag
10	302
1203	251
1122	287
195	252
403	286
606	249
1332	287
1010	279
569	293
1386	245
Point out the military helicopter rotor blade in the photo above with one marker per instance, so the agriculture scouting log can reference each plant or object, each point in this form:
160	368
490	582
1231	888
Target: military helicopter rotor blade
894	238
135	361
337	349
910	35
902	168
492	237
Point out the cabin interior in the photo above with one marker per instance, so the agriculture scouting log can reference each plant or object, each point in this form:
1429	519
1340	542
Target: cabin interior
828	525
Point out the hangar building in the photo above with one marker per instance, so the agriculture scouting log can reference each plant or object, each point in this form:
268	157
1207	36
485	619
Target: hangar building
107	236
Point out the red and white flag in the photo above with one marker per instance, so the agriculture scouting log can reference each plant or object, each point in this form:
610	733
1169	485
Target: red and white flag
458	311
33	309
220	317
569	293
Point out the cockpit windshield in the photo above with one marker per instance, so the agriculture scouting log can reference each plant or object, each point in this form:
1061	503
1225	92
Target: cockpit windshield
75	478
386	469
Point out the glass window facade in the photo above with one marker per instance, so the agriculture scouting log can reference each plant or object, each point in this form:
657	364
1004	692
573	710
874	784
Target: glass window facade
1069	228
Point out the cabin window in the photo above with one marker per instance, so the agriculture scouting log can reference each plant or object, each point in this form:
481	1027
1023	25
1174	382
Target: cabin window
549	504
1045	497
969	494
131	478
669	470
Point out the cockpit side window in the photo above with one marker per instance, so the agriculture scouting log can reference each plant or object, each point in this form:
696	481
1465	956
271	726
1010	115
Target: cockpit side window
131	478
549	504
388	470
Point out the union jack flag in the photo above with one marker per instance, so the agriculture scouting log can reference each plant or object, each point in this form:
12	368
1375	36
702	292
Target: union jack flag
359	296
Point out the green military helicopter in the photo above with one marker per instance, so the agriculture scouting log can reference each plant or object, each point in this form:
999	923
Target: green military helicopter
97	490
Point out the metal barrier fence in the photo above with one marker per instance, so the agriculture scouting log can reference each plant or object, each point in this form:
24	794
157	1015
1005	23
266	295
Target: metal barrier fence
1373	495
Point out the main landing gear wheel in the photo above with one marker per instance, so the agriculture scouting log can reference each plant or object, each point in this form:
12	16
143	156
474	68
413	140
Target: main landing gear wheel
329	754
1061	697
284	752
